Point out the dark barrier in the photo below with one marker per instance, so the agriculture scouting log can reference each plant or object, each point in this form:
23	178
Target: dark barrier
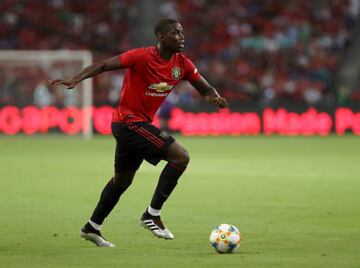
70	120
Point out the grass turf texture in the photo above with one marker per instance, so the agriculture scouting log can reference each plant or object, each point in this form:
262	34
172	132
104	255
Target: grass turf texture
294	199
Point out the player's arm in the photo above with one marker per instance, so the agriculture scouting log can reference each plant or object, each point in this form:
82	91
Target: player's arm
209	93
90	71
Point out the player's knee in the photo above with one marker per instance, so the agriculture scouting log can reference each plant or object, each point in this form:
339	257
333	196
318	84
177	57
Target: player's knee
178	155
123	180
184	158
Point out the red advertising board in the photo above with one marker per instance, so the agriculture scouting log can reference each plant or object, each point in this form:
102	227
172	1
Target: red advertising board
70	120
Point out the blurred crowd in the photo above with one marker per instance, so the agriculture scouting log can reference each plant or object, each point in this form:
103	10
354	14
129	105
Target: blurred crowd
263	52
270	52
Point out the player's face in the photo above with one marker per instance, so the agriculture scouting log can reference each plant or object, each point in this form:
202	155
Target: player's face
174	39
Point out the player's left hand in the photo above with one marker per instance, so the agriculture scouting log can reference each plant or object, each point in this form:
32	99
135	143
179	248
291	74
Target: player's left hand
220	102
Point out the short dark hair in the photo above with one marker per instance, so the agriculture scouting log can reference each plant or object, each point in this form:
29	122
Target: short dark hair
162	25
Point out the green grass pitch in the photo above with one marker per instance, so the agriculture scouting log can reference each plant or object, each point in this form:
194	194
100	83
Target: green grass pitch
296	201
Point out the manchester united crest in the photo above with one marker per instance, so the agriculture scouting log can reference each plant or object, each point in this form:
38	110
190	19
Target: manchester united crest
176	73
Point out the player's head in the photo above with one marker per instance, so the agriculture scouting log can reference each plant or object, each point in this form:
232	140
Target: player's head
170	34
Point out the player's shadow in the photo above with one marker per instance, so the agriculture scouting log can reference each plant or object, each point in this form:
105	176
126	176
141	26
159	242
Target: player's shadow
235	253
249	252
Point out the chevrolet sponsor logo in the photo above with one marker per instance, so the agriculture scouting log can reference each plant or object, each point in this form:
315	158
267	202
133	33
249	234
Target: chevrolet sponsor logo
161	87
154	94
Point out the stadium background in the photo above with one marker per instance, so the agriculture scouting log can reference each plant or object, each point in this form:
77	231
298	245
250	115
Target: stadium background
260	54
286	67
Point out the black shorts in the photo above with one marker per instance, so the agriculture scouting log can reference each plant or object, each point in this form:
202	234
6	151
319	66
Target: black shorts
138	141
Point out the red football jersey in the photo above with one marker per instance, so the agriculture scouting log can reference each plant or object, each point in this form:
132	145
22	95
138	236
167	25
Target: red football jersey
148	80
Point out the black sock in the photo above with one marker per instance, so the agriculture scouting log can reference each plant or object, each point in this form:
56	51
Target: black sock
89	229
108	199
167	182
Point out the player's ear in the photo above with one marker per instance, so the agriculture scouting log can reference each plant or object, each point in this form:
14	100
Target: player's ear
160	37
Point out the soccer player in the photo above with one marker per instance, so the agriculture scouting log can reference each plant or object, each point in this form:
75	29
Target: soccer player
152	72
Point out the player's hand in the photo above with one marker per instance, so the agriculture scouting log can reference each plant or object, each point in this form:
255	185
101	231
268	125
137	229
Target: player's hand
220	102
70	84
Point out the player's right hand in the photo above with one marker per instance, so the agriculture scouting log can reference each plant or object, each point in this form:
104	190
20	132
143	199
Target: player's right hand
220	102
69	83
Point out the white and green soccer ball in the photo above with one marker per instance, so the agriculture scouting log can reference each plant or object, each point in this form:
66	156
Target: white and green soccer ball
225	238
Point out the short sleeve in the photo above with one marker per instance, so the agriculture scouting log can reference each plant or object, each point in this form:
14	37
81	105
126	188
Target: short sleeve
129	58
191	72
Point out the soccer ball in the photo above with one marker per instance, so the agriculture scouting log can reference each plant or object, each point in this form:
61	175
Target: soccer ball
225	238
